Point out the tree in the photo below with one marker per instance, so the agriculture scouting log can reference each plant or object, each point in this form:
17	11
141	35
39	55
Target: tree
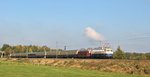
148	56
119	54
30	50
8	51
133	56
143	56
4	47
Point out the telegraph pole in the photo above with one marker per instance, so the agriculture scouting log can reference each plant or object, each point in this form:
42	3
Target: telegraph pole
65	47
27	52
45	53
56	49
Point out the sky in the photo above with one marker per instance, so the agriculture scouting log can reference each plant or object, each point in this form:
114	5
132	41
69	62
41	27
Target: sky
45	22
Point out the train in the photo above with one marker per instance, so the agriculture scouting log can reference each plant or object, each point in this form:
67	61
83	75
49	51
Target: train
98	53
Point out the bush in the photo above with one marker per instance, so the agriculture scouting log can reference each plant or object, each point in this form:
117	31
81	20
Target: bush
119	54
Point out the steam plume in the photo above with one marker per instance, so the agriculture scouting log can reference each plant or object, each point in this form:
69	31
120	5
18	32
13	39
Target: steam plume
92	34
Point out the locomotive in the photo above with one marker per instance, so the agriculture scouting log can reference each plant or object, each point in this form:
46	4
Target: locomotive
98	53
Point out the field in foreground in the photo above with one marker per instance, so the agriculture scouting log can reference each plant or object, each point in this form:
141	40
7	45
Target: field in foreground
14	69
136	67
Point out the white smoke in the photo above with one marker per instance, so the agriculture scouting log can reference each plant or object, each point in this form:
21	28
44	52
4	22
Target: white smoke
92	34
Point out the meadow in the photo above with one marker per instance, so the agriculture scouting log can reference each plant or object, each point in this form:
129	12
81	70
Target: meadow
15	69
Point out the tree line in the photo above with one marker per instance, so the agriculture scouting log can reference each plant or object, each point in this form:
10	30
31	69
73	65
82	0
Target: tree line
120	54
8	49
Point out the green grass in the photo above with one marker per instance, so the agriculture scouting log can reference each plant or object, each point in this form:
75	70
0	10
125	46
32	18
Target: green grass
11	69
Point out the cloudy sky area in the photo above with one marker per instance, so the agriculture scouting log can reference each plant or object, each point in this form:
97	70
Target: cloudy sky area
43	22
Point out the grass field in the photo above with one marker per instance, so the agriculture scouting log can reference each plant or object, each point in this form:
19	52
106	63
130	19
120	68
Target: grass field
13	69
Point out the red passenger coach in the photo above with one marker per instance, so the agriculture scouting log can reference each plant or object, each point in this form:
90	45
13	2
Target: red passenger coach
84	54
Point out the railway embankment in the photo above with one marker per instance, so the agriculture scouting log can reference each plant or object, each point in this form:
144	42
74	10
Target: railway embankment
141	67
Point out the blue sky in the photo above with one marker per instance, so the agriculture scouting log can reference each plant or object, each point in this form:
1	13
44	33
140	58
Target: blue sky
43	22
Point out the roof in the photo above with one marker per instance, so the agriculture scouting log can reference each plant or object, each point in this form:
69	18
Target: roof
1	51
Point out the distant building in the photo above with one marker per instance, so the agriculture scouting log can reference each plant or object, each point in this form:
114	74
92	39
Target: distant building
2	54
